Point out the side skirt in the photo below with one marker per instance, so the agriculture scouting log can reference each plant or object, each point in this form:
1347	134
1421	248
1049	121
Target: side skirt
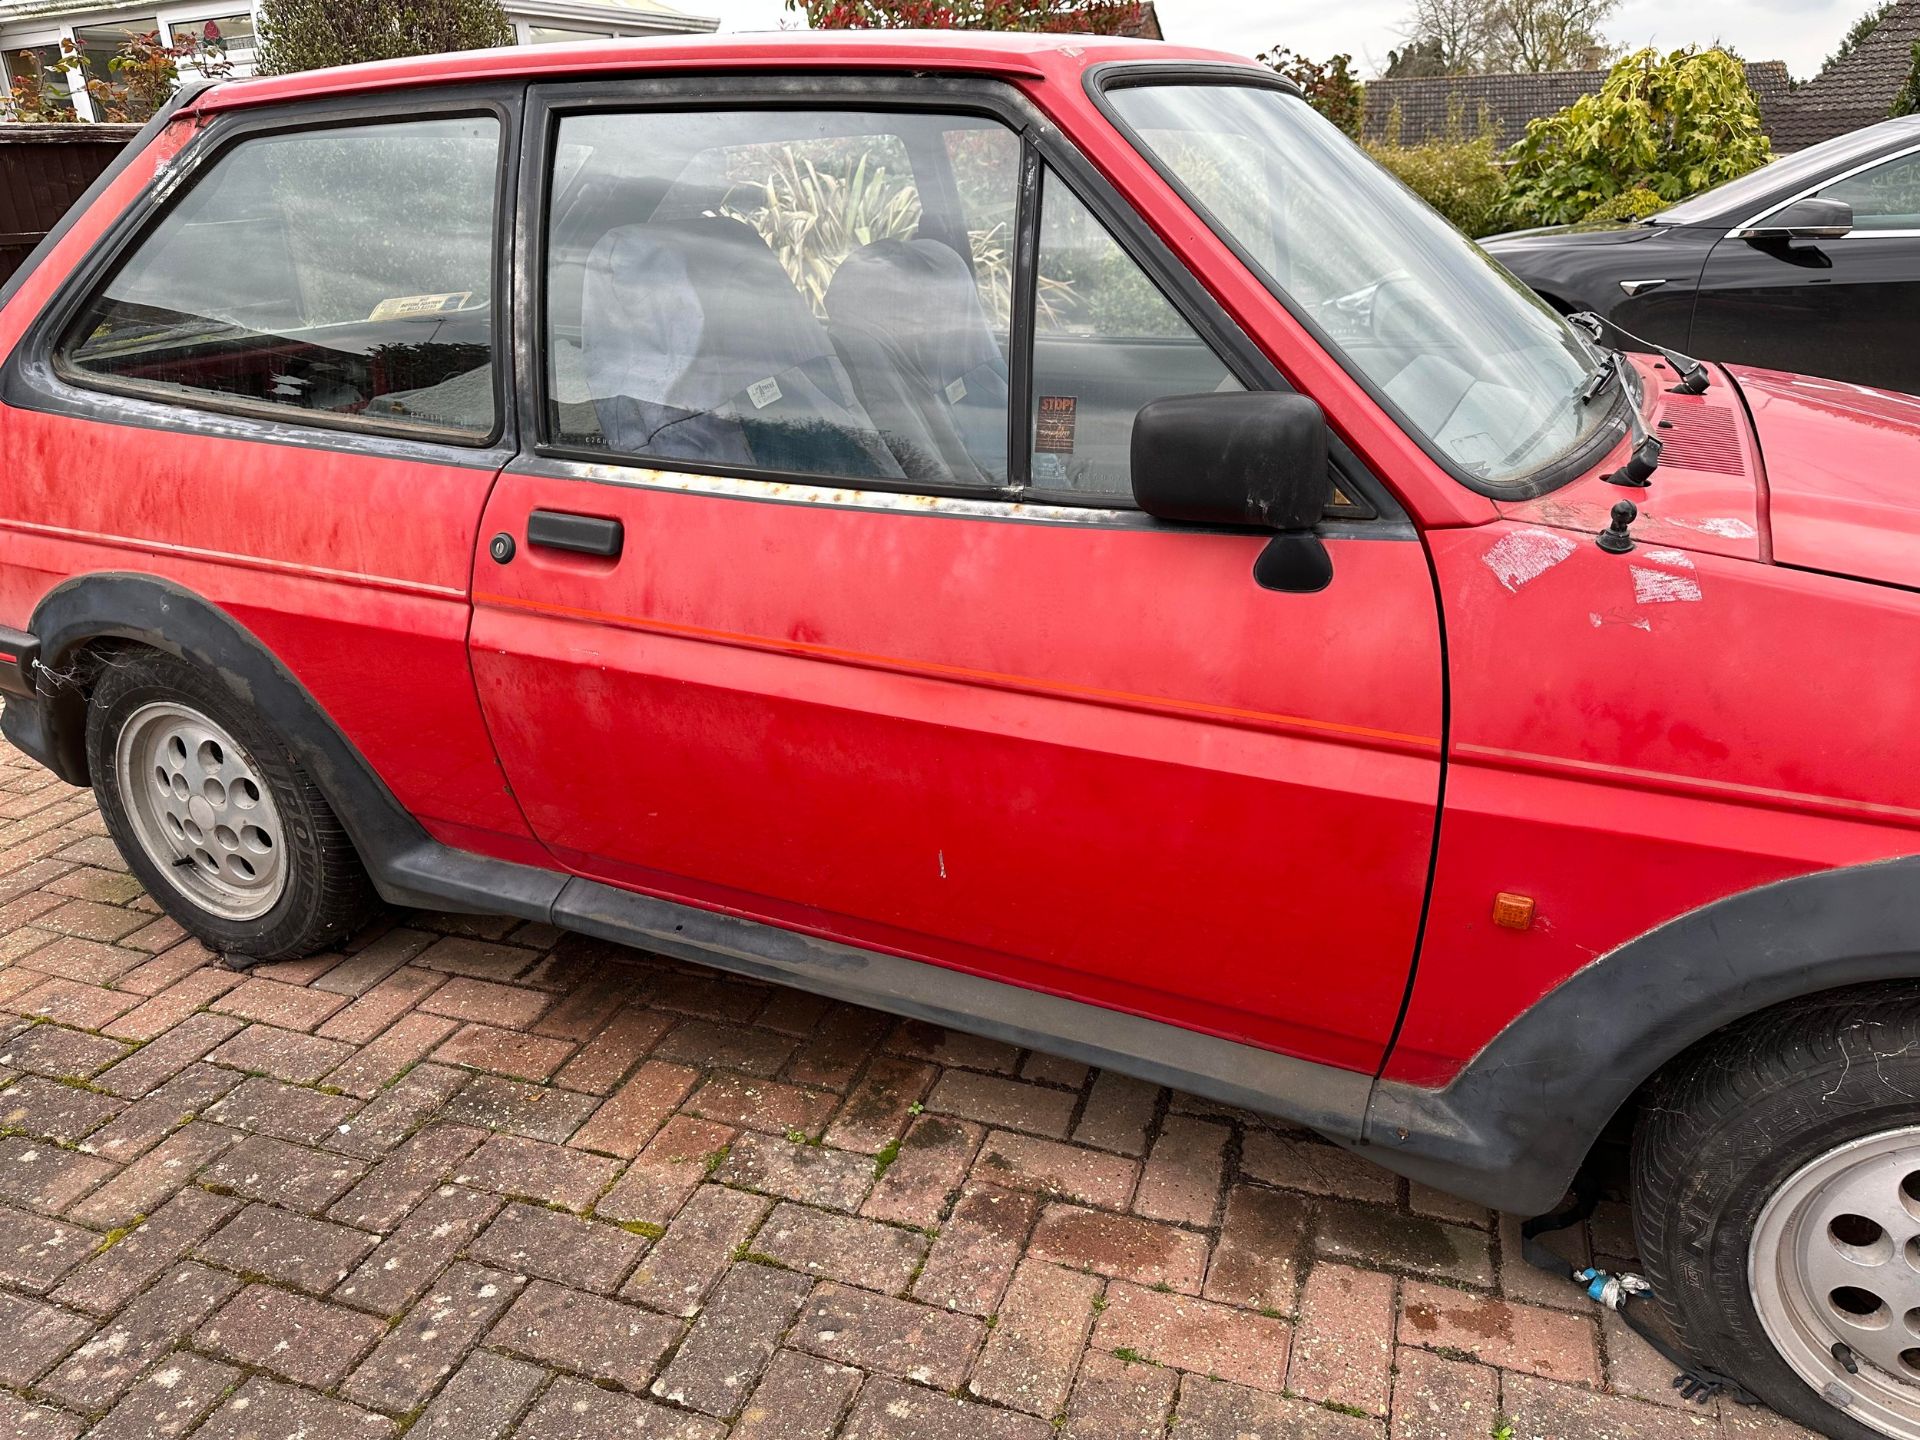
1319	1097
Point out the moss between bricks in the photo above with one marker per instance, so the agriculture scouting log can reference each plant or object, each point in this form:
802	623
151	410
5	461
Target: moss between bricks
119	1232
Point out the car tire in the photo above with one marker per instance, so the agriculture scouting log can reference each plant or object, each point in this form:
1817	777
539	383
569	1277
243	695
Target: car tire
215	816
1776	1190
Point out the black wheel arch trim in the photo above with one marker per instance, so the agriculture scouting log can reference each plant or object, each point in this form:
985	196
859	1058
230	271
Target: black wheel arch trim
1524	1112
145	609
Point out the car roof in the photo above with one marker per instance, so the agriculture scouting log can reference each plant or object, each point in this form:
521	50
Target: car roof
1059	58
1737	200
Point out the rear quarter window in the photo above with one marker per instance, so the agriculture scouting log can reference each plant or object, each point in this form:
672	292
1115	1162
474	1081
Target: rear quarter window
343	275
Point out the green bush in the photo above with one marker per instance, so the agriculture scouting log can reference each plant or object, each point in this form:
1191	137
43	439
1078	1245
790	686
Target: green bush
1907	102
1673	125
1462	179
1459	175
1635	204
1329	85
309	34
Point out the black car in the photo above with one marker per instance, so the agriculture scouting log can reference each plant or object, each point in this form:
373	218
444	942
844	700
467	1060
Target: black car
1810	264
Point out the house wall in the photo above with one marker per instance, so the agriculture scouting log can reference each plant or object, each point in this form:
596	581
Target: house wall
102	30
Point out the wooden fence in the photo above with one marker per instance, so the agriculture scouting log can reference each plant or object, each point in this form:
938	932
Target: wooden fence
43	170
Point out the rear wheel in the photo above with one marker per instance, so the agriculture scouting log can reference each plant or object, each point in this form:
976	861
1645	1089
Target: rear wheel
214	814
1777	1203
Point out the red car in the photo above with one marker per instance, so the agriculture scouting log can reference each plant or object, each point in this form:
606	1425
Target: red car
1035	533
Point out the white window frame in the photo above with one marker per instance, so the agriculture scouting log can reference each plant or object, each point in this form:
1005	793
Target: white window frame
196	15
168	18
523	30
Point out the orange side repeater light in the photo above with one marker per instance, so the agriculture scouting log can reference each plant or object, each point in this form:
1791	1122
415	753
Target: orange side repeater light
1512	912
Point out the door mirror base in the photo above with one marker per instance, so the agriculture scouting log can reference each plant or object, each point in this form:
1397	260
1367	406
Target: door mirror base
1294	562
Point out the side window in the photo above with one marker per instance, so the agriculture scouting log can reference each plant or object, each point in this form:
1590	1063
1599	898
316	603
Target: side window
985	160
1886	197
807	292
345	273
1106	342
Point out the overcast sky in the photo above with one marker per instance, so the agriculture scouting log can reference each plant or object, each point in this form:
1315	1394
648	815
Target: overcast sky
1800	32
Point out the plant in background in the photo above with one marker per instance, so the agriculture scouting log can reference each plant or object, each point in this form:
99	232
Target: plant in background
309	34
993	273
1079	17
1444	37
1330	85
1473	37
1457	173
814	217
140	75
143	72
36	99
1907	102
1540	35
814	210
1673	125
1635	204
1417	60
1858	32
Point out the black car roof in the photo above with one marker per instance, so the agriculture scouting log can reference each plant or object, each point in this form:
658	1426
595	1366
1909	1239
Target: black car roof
1740	200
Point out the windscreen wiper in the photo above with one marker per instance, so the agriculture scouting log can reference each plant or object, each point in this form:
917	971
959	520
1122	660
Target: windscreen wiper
1600	377
1693	375
1645	456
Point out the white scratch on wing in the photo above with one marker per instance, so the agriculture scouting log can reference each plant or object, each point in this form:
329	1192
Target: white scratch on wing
1637	622
1678	559
1658	587
1525	555
1725	527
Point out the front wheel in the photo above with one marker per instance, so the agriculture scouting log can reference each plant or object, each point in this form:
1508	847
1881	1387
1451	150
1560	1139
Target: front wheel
214	815
1777	1205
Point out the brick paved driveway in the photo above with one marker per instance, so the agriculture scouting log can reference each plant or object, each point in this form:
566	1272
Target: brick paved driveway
472	1178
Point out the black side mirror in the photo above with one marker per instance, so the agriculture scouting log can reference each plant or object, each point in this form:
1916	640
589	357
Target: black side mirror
1241	458
1809	219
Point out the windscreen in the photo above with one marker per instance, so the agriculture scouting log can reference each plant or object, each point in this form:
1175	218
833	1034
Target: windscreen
1477	367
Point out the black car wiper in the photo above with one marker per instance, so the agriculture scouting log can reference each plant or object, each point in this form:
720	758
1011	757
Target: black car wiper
1600	377
1645	457
1693	375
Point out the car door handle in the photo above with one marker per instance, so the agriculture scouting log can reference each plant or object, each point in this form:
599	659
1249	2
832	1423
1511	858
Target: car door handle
582	534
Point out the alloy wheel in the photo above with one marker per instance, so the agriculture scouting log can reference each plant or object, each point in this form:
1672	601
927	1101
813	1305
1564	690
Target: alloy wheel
1834	1267
201	810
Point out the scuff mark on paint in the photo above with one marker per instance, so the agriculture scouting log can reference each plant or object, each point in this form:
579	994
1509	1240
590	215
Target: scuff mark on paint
1725	527
1679	559
1615	617
1659	587
1525	555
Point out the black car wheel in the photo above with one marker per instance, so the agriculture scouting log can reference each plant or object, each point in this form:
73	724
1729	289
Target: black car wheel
214	814
1777	1204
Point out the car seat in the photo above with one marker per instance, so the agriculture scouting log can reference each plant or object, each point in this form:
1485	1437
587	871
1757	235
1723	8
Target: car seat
697	347
906	317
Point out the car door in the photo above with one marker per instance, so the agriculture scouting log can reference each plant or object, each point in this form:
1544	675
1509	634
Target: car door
796	625
1848	309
